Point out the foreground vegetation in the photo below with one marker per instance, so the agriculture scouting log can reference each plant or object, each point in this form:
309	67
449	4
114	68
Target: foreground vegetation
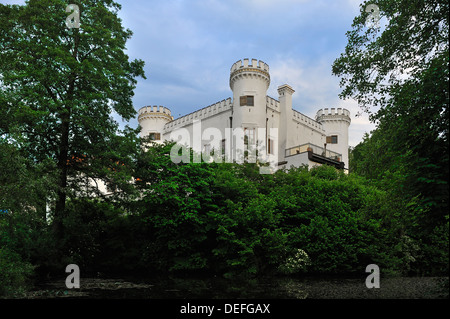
229	220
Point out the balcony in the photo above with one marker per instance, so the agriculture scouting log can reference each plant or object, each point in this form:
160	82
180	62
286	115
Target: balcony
317	154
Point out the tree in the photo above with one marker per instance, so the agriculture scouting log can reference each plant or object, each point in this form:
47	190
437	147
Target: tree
403	71
377	61
173	206
399	74
59	87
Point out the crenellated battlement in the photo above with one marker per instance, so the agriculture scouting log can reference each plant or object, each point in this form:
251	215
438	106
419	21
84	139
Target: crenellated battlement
201	114
253	64
337	114
154	109
307	121
154	112
249	69
300	118
272	103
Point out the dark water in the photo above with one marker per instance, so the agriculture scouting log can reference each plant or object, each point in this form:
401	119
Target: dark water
262	288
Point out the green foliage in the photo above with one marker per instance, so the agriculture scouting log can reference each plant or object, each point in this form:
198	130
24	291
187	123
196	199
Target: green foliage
24	241
14	274
376	60
403	69
322	219
227	219
59	88
173	206
249	240
23	183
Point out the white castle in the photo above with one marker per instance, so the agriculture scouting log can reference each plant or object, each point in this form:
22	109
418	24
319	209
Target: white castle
299	139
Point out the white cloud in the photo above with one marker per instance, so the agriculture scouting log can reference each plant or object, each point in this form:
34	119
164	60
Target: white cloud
314	85
316	88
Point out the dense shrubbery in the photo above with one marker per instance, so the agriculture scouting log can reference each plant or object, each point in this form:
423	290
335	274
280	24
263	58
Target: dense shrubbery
14	273
230	220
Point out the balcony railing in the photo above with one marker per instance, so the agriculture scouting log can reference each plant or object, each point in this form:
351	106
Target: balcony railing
315	150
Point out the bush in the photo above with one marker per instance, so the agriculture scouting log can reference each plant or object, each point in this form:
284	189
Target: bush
227	219
296	263
14	274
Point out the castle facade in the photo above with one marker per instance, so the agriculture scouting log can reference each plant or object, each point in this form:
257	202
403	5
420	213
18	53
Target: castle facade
272	125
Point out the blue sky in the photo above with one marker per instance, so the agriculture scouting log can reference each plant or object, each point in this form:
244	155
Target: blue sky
189	46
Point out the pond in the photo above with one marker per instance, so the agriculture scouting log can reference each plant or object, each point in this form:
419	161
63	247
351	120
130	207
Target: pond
261	288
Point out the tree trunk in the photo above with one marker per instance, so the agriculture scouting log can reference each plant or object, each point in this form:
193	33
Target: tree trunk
63	156
62	182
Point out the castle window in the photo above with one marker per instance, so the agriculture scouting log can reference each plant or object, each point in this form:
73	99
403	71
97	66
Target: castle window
247	100
249	136
270	149
223	147
333	139
155	136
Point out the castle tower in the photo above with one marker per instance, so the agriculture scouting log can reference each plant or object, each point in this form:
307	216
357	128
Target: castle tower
249	81
335	122
152	120
285	136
